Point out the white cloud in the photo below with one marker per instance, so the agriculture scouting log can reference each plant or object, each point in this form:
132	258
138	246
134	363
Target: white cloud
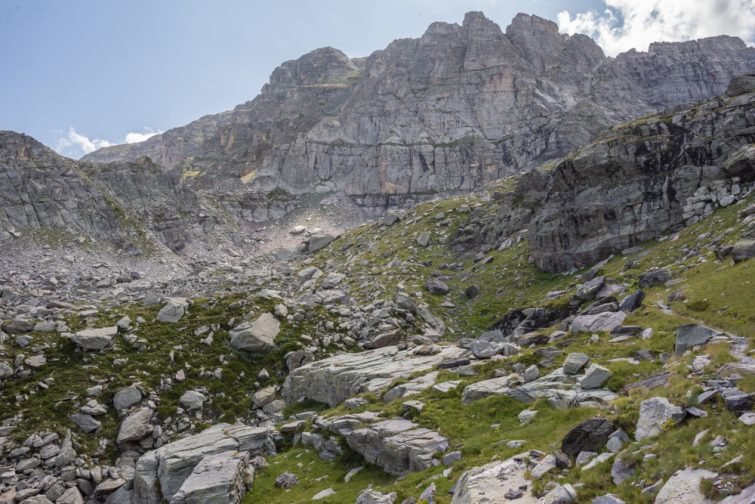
75	145
135	136
627	24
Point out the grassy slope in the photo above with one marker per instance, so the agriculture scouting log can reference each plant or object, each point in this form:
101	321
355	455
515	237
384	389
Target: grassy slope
509	281
718	293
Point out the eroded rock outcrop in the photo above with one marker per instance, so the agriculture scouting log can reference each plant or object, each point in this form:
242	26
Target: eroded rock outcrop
335	379
396	445
178	470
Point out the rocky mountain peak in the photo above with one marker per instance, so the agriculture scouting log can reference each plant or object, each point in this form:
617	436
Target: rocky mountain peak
721	43
531	24
324	66
461	106
476	24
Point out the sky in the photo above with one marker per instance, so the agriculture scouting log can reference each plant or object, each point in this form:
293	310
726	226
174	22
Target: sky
82	74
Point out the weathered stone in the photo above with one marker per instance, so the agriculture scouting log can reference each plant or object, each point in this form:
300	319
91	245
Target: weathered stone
319	242
654	415
86	423
497	482
192	400
654	277
286	480
5	370
374	497
397	446
173	310
70	496
126	397
436	286
256	336
632	301
264	396
743	250
607	499
335	379
574	363
95	339
601	322
684	488
590	435
136	426
220	478
588	290
161	473
691	335
595	376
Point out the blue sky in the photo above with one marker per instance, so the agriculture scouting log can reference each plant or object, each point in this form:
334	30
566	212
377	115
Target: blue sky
103	69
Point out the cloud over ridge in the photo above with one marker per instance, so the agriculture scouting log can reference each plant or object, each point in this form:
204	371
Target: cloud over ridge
634	24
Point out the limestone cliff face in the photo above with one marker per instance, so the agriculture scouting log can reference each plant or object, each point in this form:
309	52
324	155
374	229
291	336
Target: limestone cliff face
451	110
134	206
634	183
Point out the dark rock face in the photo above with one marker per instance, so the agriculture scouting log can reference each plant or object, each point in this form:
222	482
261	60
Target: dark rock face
644	179
634	183
590	435
451	110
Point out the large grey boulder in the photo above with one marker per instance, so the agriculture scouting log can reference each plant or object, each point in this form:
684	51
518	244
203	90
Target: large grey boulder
192	400
501	481
743	250
590	435
5	370
221	478
136	426
574	363
601	322
654	414
595	376
690	335
319	242
256	336
370	496
397	446
335	379
173	310
684	488
95	339
87	423
126	397
70	496
160	474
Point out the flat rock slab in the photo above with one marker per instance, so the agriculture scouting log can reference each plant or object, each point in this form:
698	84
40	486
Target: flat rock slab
397	446
335	379
95	339
684	488
557	387
602	322
497	482
160	473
